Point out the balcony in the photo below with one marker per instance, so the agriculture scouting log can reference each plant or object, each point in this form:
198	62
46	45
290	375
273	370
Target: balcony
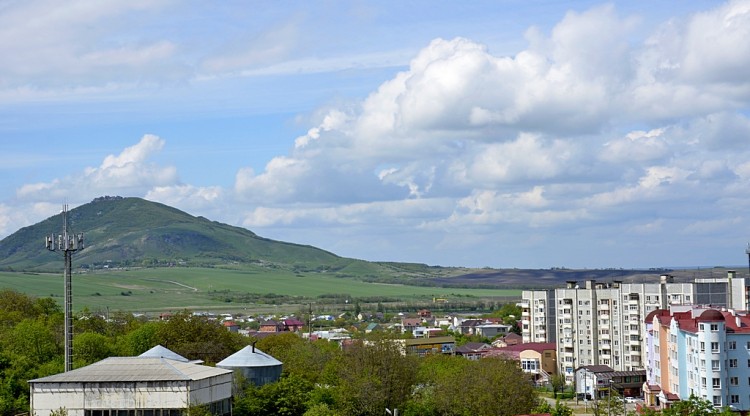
524	304
525	314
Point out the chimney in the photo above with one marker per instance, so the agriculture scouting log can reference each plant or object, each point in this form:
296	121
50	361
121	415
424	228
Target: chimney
590	284
571	284
254	346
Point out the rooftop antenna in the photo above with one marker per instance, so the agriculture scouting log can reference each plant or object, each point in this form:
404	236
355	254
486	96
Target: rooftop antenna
67	244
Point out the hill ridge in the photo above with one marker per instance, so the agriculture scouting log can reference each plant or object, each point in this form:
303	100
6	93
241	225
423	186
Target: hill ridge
130	231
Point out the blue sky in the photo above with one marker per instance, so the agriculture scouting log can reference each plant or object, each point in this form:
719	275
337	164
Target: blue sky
489	133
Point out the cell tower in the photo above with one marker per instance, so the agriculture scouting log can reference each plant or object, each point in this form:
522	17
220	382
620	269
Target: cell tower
67	244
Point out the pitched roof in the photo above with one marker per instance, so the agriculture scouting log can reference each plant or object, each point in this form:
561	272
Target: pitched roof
536	346
163	352
248	357
470	347
411	321
131	369
597	368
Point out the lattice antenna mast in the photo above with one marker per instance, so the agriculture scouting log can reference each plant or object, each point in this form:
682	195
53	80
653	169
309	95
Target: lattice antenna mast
68	244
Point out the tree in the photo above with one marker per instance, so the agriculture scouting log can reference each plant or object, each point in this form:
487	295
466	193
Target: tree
139	340
91	347
557	382
498	387
612	405
287	397
373	377
693	406
195	337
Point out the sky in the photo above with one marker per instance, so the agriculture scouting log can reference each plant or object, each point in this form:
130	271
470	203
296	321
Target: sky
504	133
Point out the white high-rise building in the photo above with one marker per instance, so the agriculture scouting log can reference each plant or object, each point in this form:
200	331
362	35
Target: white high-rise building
602	323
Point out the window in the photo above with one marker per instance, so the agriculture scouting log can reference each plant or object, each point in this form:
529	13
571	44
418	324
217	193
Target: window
734	381
703	346
716	383
714	347
733	363
734	398
715	365
717	400
732	345
714	327
703	382
529	365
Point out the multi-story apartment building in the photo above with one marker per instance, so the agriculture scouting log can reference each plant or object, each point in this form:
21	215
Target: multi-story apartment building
692	350
538	316
602	323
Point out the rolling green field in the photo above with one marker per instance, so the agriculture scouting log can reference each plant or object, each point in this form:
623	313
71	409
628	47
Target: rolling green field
169	289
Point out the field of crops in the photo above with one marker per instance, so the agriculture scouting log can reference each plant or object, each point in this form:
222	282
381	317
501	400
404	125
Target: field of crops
165	289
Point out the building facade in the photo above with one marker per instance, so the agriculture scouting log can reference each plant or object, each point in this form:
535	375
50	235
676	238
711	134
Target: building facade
699	351
602	323
142	386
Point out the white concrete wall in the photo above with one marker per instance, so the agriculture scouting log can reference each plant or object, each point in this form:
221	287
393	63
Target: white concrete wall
75	397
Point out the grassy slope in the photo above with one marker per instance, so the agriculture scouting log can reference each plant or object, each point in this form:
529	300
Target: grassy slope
170	288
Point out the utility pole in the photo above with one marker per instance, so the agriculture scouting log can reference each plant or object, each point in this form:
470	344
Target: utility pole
309	324
68	244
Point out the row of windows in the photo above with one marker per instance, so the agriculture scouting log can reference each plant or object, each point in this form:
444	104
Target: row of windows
133	412
221	408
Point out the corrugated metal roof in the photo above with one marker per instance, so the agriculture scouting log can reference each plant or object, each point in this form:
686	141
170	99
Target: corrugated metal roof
163	352
134	369
248	357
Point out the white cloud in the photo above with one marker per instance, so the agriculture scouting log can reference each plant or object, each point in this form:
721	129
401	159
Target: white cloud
46	45
539	139
128	173
636	146
596	129
188	197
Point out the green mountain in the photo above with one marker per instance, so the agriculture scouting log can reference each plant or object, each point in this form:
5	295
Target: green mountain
128	232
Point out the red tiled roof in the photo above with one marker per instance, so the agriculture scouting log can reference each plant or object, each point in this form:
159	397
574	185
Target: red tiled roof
660	312
536	346
711	315
688	324
671	396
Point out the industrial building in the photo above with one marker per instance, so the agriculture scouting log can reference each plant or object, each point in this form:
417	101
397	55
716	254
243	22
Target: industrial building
133	386
256	366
